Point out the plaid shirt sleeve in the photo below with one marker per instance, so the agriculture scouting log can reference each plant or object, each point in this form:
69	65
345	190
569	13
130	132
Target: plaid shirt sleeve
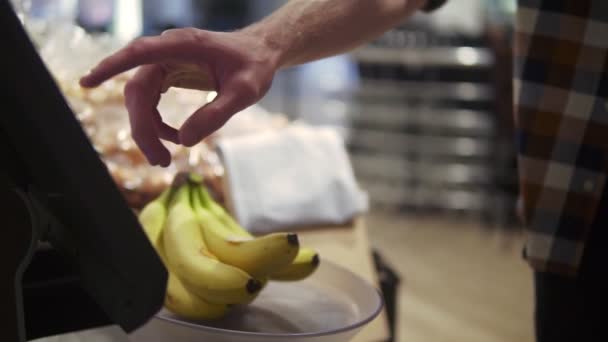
561	116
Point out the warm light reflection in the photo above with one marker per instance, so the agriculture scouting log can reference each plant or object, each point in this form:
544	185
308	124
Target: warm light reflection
128	19
211	95
467	56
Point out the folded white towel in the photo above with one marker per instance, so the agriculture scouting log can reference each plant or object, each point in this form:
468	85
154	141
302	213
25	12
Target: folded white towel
296	176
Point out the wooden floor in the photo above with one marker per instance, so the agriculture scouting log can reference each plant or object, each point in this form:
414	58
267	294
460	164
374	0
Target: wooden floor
460	282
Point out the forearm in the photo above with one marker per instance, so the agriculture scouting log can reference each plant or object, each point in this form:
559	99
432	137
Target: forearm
306	30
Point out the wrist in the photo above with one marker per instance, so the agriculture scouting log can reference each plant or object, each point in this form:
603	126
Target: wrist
271	47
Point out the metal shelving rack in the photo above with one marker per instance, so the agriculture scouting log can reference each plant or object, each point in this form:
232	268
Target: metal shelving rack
423	135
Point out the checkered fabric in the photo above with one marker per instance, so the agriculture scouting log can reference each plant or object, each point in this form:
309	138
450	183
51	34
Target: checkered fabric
561	93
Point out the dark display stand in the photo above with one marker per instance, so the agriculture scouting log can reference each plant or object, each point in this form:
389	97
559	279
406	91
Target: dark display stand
389	285
43	289
16	247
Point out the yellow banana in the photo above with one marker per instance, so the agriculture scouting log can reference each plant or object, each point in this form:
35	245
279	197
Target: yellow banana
177	299
257	256
152	216
186	304
263	282
222	215
188	257
305	263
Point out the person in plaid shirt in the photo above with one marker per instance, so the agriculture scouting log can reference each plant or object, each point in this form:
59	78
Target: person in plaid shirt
561	87
561	94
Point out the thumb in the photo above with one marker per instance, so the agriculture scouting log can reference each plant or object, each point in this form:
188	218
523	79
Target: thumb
210	117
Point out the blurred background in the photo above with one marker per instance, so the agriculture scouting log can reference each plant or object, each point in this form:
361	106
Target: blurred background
426	113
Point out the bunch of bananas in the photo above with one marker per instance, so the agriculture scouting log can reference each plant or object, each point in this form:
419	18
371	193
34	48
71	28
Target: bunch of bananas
213	262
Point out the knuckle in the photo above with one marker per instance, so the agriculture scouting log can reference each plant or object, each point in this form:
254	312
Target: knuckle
215	116
179	32
199	37
216	121
132	88
169	31
139	137
138	45
215	113
142	137
264	87
246	86
192	30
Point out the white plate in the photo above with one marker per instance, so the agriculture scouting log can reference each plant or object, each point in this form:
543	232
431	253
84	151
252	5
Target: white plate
331	305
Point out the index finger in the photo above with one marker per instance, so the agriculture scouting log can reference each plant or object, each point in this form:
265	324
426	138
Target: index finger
141	51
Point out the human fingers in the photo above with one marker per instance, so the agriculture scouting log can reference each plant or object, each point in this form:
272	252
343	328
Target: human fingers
210	118
165	131
142	94
147	50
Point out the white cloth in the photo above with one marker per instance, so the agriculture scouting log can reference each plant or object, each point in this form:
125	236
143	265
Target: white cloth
296	176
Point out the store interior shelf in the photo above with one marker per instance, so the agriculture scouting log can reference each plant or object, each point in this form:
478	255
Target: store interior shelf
460	122
383	141
421	171
462	57
391	90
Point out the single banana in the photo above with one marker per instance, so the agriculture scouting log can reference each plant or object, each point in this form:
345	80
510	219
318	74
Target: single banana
305	263
188	257
263	282
188	305
177	299
222	215
257	256
185	304
152	216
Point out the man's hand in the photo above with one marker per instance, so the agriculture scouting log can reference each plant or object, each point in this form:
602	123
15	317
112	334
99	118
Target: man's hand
237	65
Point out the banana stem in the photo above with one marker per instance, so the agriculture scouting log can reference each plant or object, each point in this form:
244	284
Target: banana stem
182	194
195	178
197	199
165	196
180	179
205	196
